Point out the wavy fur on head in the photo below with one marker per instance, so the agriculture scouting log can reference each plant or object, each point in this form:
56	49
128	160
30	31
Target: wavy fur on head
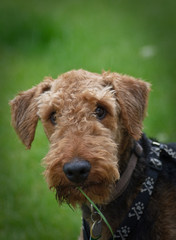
73	98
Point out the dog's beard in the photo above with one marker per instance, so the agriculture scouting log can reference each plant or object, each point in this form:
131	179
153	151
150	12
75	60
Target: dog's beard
68	194
98	193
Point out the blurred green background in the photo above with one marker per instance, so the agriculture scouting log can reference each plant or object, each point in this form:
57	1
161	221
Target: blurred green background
47	38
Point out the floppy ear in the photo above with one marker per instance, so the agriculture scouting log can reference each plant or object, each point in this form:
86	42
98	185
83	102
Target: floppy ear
24	111
132	96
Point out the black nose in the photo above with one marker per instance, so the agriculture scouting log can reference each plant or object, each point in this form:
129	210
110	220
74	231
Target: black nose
77	170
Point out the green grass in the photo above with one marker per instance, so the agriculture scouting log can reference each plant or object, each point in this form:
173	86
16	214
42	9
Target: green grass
40	38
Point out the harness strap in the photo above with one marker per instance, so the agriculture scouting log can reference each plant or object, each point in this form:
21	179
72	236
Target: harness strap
86	229
140	203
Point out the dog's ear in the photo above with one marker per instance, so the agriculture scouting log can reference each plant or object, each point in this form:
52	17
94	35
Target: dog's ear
24	111
132	96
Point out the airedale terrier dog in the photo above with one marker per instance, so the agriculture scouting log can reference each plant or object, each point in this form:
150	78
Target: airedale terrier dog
94	126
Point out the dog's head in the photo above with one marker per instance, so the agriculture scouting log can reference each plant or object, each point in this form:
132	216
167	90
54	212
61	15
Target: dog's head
85	117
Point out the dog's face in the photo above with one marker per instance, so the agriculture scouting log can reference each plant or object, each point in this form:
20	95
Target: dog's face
84	116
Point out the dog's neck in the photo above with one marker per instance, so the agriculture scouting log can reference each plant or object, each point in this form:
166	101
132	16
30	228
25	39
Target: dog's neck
108	209
125	149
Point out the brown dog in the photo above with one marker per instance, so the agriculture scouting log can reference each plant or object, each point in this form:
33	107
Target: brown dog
93	122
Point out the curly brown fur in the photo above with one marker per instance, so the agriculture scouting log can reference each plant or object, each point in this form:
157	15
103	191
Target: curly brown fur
67	107
74	97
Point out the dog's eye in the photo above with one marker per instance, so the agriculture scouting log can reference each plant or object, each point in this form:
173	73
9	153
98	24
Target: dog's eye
100	112
52	118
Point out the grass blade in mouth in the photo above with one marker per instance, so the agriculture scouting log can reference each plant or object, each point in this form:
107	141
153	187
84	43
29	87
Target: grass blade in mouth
99	212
